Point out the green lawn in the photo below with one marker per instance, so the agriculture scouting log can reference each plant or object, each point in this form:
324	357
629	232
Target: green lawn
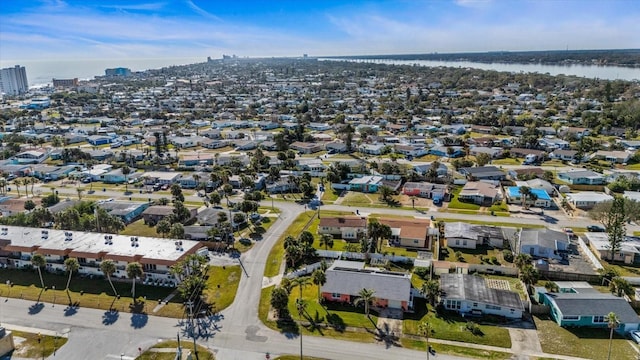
30	347
354	198
139	228
636	233
624	270
633	167
96	294
331	314
456	350
222	286
276	255
581	342
449	326
203	352
455	203
501	207
330	195
506	161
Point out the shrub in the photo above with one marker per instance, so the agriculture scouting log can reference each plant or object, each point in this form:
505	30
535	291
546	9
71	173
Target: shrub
507	255
422	272
494	260
474	328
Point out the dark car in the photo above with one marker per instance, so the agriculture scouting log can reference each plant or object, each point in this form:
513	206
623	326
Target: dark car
595	228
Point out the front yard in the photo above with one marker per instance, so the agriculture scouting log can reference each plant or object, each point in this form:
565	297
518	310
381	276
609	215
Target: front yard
449	326
581	342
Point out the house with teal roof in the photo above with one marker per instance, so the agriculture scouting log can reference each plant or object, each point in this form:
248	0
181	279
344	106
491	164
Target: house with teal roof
577	304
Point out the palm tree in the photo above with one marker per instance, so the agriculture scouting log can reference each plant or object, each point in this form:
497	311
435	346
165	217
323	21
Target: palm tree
17	183
365	296
134	270
326	240
39	262
108	268
522	260
80	191
71	265
126	171
33	181
431	289
319	278
612	322
525	192
427	330
301	306
163	227
620	287
529	275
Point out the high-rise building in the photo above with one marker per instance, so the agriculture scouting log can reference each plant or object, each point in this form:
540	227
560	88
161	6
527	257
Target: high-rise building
13	81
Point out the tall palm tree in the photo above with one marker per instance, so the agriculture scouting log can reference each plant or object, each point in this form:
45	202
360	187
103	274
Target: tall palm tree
365	296
319	278
39	262
71	265
427	330
134	270
108	268
17	183
80	191
612	322
430	289
33	181
126	171
326	240
301	306
525	193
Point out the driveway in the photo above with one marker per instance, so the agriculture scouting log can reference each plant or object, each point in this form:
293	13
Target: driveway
524	339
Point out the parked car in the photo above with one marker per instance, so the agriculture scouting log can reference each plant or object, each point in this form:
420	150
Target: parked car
595	228
635	335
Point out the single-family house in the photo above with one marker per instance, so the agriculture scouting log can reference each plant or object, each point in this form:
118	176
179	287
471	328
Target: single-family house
582	177
372	149
345	279
564	155
472	295
471	236
31	157
160	177
415	233
447	151
125	210
437	192
97	140
336	147
307	147
423	169
153	214
349	228
543	243
493	152
618	157
628	253
577	304
587	199
366	184
117	177
538	198
183	142
410	150
483	173
480	192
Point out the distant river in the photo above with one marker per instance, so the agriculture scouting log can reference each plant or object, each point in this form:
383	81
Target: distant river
587	71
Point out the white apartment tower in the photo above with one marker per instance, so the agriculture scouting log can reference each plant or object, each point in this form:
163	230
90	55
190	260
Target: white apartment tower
13	81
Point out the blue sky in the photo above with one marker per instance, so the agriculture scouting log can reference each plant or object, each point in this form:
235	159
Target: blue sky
117	29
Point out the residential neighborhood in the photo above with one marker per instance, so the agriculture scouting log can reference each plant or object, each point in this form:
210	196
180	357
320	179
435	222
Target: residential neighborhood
379	198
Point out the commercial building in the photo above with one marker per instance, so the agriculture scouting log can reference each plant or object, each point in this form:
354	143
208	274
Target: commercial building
13	81
65	83
120	71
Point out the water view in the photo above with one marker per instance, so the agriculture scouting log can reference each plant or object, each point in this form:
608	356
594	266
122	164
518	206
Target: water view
588	71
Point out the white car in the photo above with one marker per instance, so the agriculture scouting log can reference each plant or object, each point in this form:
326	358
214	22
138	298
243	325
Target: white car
635	335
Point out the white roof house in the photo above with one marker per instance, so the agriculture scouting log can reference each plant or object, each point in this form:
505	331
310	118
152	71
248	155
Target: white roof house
587	199
629	248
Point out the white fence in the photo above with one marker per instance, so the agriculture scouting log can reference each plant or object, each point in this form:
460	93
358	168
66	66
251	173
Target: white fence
591	256
331	254
305	270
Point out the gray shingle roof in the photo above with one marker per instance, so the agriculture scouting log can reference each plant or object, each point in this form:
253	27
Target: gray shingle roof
474	288
594	304
542	237
347	279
